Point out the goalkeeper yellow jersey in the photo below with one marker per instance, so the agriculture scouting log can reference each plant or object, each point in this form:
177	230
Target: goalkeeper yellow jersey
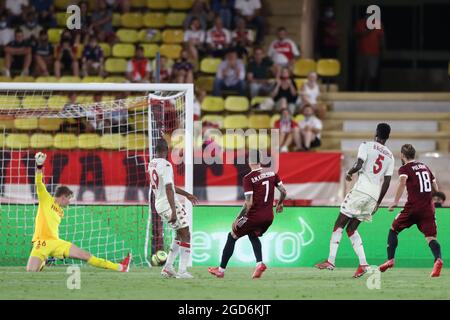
49	214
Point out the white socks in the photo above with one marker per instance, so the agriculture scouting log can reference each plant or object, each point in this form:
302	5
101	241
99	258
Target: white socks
173	253
185	252
358	247
334	244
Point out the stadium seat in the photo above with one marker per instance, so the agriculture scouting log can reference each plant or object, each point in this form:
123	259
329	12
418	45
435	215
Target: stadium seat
132	20
61	19
106	49
236	104
173	36
213	104
114	79
34	102
65	141
155	20
17	141
149	35
116	65
137	4
88	141
299	82
23	79
136	142
139	122
57	102
259	121
274	119
85	99
6	124
127	35
5	79
183	5
26	123
46	79
116	20
299	118
49	124
158	4
204	83
213	118
92	79
171	51
41	141
258	141
233	141
123	50
328	67
54	35
210	65
257	100
303	67
175	19
62	4
150	50
9	102
2	63
236	121
113	141
69	79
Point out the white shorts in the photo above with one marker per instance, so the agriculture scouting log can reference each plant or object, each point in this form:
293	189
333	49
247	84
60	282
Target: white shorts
358	205
182	217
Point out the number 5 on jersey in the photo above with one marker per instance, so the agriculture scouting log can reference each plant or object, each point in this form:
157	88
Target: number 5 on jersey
378	164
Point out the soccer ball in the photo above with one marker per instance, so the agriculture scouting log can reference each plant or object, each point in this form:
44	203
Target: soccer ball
159	258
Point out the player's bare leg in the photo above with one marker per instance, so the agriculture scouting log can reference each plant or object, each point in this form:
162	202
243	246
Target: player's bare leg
227	252
436	250
35	264
391	247
357	244
336	236
77	253
185	251
168	270
260	266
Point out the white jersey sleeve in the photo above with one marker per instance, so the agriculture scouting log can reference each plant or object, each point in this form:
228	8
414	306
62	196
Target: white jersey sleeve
362	151
161	174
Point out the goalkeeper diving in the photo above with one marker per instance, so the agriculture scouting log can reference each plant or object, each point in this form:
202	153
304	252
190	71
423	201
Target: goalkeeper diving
46	241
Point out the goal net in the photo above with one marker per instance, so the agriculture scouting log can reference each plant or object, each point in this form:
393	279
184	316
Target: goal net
98	139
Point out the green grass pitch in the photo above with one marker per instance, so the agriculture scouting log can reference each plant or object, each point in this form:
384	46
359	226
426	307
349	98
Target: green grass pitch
276	283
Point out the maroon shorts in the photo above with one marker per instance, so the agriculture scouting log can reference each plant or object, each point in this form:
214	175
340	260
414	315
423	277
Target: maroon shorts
245	226
425	221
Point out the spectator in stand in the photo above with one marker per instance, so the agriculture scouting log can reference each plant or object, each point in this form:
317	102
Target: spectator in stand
230	75
198	99
43	55
309	93
183	70
66	56
287	126
218	39
224	9
31	29
307	135
16	9
283	51
200	10
6	33
86	29
259	71
18	55
194	39
439	199
101	22
46	12
138	68
249	10
242	39
328	34
370	44
92	58
284	95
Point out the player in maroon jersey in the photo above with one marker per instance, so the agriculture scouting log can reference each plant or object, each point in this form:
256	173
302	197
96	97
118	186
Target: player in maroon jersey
255	217
419	209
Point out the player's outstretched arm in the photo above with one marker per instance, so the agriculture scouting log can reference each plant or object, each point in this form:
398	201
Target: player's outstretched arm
193	199
384	189
400	189
356	167
40	160
283	195
171	198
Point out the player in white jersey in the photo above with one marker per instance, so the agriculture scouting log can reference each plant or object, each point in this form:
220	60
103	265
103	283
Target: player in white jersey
171	210
375	166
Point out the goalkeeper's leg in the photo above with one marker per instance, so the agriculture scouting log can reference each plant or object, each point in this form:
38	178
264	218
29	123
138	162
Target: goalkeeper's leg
77	253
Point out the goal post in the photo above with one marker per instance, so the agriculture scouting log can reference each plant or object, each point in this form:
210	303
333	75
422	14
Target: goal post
111	158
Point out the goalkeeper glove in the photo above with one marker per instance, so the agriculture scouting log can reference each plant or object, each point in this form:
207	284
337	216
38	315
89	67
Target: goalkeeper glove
40	159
